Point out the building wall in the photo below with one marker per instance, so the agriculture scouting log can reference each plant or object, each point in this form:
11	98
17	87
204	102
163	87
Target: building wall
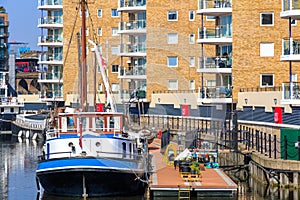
248	65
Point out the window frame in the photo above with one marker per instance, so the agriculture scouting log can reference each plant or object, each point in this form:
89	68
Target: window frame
192	15
113	67
262	48
168	61
113	10
170	38
99	28
261	18
174	81
193	40
169	13
192	64
266	84
116	32
99	16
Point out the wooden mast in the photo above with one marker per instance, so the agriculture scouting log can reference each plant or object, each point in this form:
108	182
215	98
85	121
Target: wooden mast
83	98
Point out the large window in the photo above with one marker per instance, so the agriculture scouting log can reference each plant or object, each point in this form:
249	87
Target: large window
115	50
172	61
172	38
266	80
172	15
115	87
266	49
173	85
267	19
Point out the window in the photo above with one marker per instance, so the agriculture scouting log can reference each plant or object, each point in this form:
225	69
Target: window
99	13
266	49
100	87
192	61
114	68
294	77
293	22
86	13
172	15
192	15
266	80
173	85
86	31
114	13
192	38
172	38
114	31
192	84
267	19
99	31
115	50
172	61
210	18
115	87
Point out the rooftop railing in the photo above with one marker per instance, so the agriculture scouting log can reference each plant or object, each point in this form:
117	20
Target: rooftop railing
50	2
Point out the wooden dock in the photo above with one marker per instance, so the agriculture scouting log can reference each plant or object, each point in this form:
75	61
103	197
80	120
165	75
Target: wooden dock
168	181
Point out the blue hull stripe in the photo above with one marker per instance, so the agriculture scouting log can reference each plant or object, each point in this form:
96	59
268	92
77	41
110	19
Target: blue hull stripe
92	163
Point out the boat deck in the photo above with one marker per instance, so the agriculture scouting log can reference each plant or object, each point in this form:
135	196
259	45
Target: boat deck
168	181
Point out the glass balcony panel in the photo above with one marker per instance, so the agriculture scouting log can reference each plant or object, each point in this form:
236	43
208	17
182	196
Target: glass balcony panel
291	91
133	25
206	4
129	94
223	31
133	48
213	92
51	20
291	46
50	38
215	62
132	3
49	2
290	5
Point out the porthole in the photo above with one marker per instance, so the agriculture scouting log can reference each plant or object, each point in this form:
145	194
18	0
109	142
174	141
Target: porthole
98	144
71	144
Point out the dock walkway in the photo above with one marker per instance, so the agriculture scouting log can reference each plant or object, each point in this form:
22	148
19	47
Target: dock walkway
167	181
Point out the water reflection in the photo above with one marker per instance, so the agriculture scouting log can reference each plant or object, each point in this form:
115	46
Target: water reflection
18	162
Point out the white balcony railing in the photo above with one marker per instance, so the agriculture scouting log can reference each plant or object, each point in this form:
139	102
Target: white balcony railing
132	25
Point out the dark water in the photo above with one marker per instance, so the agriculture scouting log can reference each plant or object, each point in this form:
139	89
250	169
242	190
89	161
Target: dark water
18	161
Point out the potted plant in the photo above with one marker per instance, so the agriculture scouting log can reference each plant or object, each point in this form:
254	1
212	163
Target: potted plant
195	168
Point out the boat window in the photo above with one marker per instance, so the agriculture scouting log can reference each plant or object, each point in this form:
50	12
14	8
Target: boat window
70	123
99	124
124	149
85	124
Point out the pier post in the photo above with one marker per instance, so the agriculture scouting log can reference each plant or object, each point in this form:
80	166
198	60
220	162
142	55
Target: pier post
295	179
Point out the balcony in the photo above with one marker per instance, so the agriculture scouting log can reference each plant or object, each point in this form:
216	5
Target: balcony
50	22
51	95
4	34
138	49
50	4
215	65
290	8
4	24
214	7
137	72
50	40
290	93
218	35
127	95
132	5
138	26
49	77
215	94
50	58
290	50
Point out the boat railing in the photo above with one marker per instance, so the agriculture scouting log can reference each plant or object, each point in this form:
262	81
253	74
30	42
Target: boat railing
50	155
98	130
30	123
